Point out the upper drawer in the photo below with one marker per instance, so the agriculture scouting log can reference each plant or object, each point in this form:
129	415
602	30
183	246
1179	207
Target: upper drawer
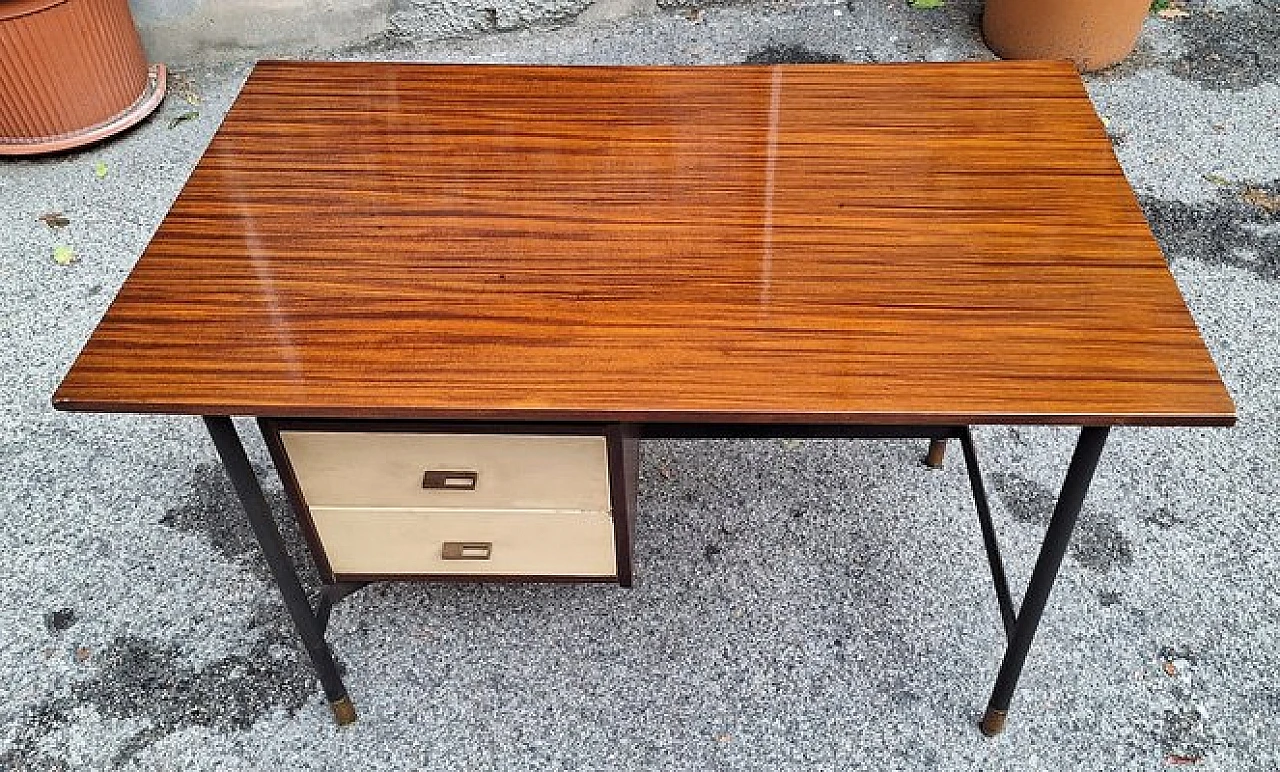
563	473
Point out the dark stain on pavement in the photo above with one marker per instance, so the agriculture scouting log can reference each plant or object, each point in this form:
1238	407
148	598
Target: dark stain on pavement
1163	517
1268	695
790	53
1097	543
1229	231
1230	49
59	620
25	753
138	678
1027	500
209	508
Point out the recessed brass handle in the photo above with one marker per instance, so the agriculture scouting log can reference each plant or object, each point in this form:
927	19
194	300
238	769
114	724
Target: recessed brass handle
441	480
466	550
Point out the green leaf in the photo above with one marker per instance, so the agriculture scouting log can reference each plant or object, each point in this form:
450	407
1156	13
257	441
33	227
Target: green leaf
1219	180
1159	5
100	170
927	3
64	255
187	116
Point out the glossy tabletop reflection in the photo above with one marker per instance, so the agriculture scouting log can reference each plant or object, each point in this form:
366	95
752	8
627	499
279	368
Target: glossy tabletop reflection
916	243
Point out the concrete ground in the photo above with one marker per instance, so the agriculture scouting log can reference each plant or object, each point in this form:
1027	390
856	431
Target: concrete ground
842	620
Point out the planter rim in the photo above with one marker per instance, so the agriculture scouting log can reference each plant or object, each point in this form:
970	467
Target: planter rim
12	9
146	102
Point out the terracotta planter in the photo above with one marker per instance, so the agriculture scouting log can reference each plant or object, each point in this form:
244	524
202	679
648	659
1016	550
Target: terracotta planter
71	72
1092	33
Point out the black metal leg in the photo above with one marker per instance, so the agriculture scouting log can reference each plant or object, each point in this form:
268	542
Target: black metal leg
1074	488
1008	614
255	506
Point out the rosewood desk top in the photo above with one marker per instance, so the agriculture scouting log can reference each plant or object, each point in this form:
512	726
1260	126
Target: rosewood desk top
913	243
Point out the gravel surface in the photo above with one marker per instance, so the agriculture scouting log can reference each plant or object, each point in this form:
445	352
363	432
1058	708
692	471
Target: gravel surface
842	620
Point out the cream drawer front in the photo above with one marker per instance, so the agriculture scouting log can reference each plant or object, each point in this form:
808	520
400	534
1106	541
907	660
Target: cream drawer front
509	471
398	541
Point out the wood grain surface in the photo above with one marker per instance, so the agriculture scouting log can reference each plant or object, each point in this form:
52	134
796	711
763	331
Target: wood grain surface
916	243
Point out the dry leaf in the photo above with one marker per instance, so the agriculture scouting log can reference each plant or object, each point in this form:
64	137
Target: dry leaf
64	255
54	219
183	87
187	116
1173	13
723	737
1170	669
83	654
100	170
1261	199
1178	760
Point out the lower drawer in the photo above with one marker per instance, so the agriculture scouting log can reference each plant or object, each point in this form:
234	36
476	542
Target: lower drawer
466	542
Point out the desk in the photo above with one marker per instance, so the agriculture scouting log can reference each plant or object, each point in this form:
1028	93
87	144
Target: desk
374	251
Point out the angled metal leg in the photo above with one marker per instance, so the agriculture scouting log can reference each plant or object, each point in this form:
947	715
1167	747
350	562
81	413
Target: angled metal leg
255	506
1008	614
1057	537
330	594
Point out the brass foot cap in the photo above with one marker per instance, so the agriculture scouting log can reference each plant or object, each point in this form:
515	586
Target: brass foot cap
343	711
937	452
993	722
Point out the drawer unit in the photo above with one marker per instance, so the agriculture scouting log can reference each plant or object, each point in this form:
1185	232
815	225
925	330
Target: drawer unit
422	501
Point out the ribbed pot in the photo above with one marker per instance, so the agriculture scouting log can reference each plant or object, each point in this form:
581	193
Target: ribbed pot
1092	33
71	72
